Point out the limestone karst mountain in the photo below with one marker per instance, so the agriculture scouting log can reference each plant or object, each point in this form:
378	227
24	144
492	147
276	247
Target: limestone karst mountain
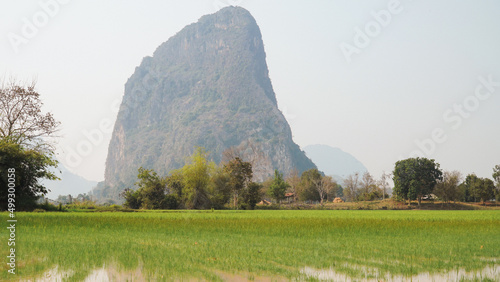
207	86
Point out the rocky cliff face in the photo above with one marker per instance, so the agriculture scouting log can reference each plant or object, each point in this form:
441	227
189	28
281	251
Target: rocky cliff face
206	86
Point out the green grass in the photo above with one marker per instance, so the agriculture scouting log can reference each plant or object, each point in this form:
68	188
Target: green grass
255	243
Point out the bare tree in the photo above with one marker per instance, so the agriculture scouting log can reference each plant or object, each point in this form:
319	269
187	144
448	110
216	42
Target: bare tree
21	118
351	187
369	189
383	183
367	185
248	151
324	186
294	181
496	177
231	153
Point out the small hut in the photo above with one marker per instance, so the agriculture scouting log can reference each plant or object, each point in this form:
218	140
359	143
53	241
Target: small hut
289	197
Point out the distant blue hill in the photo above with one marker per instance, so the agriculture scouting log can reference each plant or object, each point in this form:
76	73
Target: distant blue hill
70	183
333	161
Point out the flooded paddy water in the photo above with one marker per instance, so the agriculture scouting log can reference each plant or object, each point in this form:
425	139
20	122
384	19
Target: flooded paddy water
110	273
492	273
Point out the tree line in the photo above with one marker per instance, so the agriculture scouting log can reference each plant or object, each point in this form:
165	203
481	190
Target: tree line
201	184
365	187
416	178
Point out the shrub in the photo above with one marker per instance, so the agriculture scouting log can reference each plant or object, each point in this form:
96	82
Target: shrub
171	202
48	207
131	197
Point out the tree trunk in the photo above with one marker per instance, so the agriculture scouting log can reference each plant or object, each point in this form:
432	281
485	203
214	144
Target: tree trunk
419	200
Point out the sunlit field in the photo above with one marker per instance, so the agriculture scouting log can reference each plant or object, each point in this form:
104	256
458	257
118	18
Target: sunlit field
280	245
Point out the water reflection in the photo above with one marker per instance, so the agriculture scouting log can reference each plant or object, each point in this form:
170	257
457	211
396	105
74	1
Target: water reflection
491	272
108	273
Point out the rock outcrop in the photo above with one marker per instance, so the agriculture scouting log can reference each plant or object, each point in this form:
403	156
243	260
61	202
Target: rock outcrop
207	86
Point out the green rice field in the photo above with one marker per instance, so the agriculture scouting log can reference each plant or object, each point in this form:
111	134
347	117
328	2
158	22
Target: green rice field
247	245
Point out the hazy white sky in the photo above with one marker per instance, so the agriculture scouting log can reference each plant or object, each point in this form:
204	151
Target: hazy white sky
381	80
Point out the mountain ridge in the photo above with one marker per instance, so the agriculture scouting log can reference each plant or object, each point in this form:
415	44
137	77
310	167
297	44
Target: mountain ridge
70	183
334	161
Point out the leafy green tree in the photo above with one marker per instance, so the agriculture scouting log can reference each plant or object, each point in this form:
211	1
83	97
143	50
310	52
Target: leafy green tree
196	178
150	193
219	189
240	174
175	186
132	198
475	189
251	195
415	177
467	187
447	189
496	174
151	189
483	188
462	193
171	202
278	187
30	166
308	181
340	191
375	194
